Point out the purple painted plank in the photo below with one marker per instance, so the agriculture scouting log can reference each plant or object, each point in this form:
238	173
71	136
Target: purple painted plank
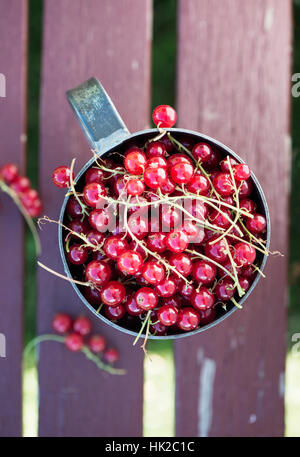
230	380
13	39
111	41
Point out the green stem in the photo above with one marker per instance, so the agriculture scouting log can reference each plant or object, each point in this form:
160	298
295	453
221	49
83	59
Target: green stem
147	318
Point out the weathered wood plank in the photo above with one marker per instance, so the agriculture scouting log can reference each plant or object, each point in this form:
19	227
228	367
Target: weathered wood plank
233	84
111	41
13	35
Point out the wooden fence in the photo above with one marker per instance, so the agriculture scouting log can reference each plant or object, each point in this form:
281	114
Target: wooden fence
233	78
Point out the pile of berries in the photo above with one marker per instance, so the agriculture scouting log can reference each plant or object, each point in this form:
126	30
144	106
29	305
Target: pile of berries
164	233
20	185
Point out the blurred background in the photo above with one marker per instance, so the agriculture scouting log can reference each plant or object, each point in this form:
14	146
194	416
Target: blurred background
157	390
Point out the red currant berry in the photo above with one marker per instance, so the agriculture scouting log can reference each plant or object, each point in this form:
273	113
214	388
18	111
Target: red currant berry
166	288
120	187
176	301
158	329
73	207
114	313
138	225
248	205
182	262
20	184
202	152
138	204
8	172
156	149
135	187
182	173
177	241
95	174
97	343
195	234
78	226
202	298
62	323
130	262
164	116
156	162
92	295
155	177
111	355
153	272
225	289
185	289
204	272
170	217
241	172
165	140
244	283
97	272
221	219
93	194
249	272
207	316
34	210
100	219
131	306
74	342
167	315
82	325
245	189
77	254
114	246
113	293
156	242
135	161
223	184
146	298
199	185
244	254
188	319
257	224
136	247
168	187
178	158
61	176
225	166
216	250
94	237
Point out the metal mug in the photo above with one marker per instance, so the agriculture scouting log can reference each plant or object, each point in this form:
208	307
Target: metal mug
105	130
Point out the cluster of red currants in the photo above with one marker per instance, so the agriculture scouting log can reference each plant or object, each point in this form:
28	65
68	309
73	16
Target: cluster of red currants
75	332
177	267
21	186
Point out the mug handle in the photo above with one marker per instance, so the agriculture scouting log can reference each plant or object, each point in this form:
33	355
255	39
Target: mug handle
97	115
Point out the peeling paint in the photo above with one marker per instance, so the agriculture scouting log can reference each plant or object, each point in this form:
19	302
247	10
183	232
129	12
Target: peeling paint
205	399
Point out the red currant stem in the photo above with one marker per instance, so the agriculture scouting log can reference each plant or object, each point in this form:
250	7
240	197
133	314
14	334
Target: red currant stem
98	362
146	320
208	259
237	215
13	195
75	281
99	308
240	290
256	268
39	339
260	242
82	205
102	167
236	303
143	346
161	134
151	253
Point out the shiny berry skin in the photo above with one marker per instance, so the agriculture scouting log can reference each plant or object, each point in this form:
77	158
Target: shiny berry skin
133	246
176	301
223	184
155	178
248	272
156	162
168	187
34	210
120	187
167	315
79	227
166	288
155	149
186	290
138	204
216	251
204	272
100	219
131	306
97	272
182	262
202	299
225	289
164	116
82	325
182	173
244	283
135	187
111	355
156	242
114	246
195	234
246	188
77	254
170	217
241	172
93	194
130	262
188	319
199	185
221	219
174	159
114	312
95	174
8	172
113	293
207	315
20	184
73	207
225	166
92	295
74	342
135	161
158	329
257	224
248	205
94	237
138	226
61	176
146	298
244	254
153	272
29	197
62	323
177	241
97	344
202	152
